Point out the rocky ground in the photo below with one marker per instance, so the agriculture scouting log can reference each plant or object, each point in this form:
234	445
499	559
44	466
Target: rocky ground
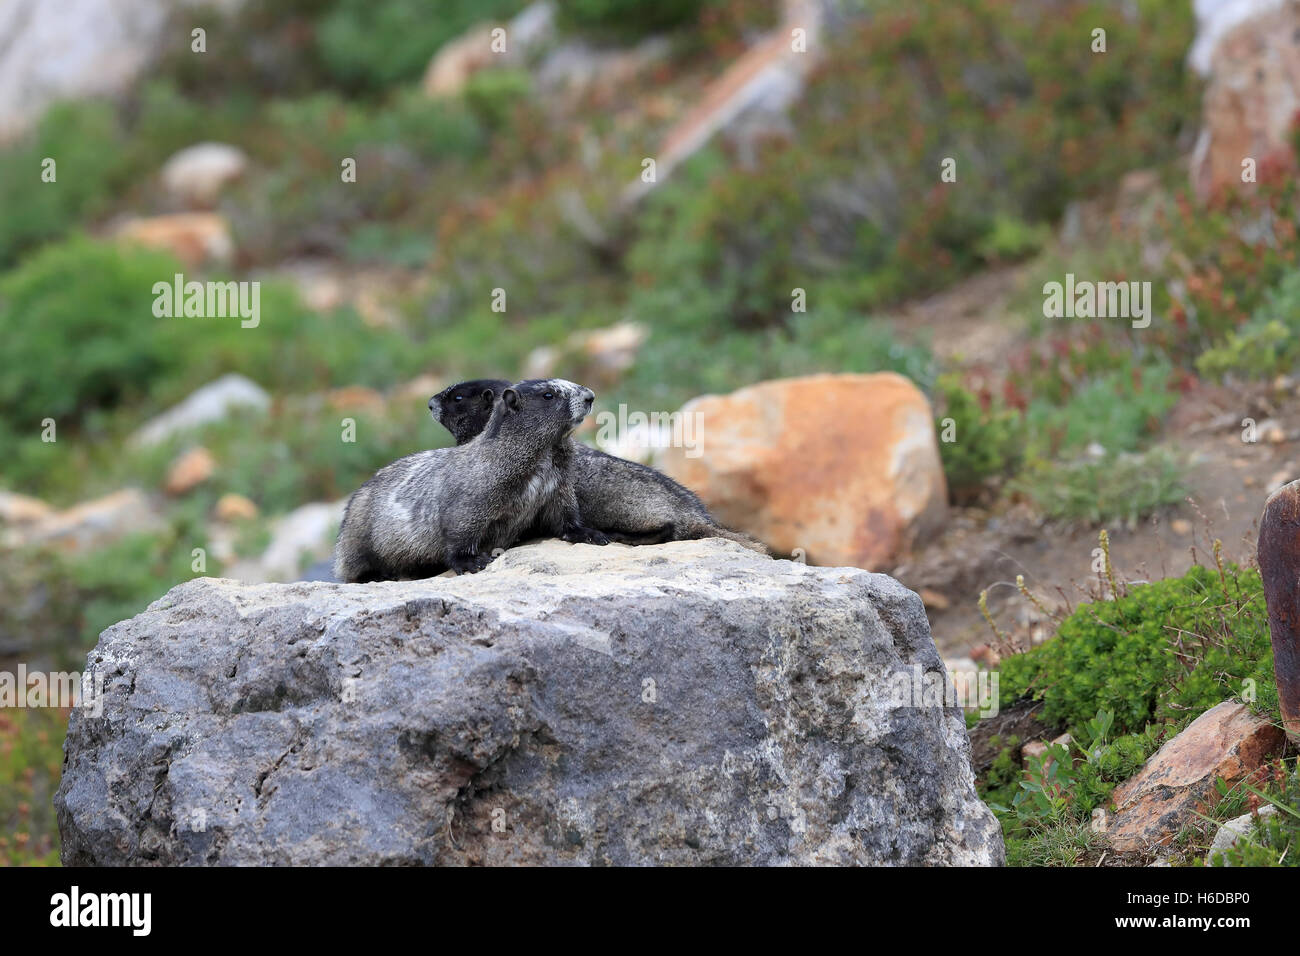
689	703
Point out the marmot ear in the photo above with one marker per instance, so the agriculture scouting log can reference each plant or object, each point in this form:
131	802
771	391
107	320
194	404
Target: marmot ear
511	399
488	396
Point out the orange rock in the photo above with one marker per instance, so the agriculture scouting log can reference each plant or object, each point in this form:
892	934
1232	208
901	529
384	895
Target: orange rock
193	237
1226	742
356	397
843	467
1251	100
457	61
232	507
189	471
92	523
933	600
21	509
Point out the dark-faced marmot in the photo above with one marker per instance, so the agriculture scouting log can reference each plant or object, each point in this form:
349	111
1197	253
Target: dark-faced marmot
450	508
630	502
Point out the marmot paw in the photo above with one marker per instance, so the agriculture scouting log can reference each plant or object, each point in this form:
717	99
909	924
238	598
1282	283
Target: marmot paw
581	535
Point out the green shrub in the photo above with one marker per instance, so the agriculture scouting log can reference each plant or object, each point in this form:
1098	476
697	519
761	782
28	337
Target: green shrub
81	340
1010	239
31	758
986	442
1161	652
1116	410
492	94
366	46
88	148
629	18
683	359
1272	840
1114	488
1264	346
79	332
1012	92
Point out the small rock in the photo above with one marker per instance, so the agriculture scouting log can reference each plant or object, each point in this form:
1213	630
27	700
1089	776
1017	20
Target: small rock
21	509
1235	829
302	536
598	356
356	398
419	389
964	676
233	507
211	403
195	238
91	523
189	470
197	174
1034	750
934	600
1181	526
1280	478
1226	742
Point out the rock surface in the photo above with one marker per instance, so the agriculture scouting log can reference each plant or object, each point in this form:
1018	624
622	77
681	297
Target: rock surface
1235	830
687	703
89	524
843	469
195	238
1252	52
1226	742
78	48
211	403
196	174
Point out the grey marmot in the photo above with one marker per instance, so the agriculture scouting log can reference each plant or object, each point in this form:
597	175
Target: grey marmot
451	508
628	501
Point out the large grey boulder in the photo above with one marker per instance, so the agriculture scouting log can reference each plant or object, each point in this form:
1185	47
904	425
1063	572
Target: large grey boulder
72	49
687	703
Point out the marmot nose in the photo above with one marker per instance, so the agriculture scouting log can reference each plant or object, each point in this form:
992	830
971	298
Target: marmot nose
432	401
588	396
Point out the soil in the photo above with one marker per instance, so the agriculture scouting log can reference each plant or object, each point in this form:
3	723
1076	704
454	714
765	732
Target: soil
986	548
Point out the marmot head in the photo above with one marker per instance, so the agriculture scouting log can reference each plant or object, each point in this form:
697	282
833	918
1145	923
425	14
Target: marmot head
464	408
547	408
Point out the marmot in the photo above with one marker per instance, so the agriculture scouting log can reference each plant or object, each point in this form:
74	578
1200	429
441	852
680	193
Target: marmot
452	507
630	502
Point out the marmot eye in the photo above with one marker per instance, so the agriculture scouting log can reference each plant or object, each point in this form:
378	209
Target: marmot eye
548	396
458	398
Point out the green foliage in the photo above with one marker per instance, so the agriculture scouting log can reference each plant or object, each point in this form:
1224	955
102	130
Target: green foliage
31	756
366	46
988	441
1160	652
679	362
1264	346
79	331
492	94
1115	410
629	19
1273	840
1048	821
1009	91
88	149
1113	488
1010	239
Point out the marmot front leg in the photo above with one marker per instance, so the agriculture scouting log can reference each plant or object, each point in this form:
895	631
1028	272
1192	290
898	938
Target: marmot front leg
566	523
468	558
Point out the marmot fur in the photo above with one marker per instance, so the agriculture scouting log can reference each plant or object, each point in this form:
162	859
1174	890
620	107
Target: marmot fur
451	508
628	501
